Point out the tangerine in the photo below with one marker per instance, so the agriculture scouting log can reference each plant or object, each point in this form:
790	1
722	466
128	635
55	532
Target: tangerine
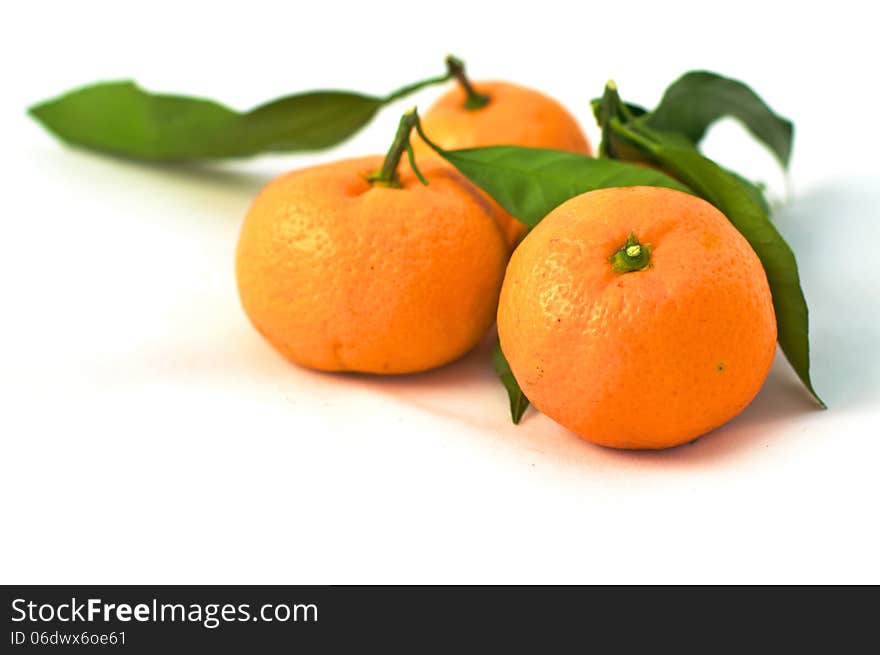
639	318
342	268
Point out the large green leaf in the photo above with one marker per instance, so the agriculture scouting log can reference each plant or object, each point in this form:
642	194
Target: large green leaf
699	98
531	182
123	119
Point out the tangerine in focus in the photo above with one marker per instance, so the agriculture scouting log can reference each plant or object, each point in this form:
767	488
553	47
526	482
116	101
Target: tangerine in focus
639	318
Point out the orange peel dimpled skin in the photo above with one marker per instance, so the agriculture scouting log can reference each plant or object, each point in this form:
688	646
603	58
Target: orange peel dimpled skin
638	318
342	271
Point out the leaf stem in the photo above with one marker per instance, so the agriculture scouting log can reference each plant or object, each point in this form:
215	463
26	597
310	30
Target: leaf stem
608	109
421	133
416	86
473	100
388	175
642	141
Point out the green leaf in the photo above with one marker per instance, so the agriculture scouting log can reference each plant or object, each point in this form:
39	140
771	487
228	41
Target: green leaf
518	401
755	190
614	146
123	119
610	106
699	98
307	121
530	182
635	110
737	201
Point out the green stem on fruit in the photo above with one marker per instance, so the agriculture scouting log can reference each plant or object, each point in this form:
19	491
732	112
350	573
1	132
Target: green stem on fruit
412	162
425	137
473	99
609	109
616	106
387	175
633	256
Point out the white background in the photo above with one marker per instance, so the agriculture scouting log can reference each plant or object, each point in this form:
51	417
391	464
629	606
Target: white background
150	436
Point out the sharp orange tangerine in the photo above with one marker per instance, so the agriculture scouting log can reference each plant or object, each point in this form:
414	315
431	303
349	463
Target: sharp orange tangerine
637	317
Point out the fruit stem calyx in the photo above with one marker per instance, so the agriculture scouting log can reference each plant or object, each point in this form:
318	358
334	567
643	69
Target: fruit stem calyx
473	100
388	175
633	256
